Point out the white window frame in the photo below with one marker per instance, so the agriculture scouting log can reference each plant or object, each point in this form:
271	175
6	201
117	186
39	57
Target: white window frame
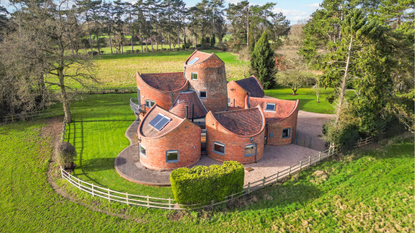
220	144
266	110
200	94
253	152
191	77
172	161
149	101
144	155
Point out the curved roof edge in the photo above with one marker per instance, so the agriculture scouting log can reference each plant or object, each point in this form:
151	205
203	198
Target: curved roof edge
181	122
209	57
238	135
297	102
189	90
185	84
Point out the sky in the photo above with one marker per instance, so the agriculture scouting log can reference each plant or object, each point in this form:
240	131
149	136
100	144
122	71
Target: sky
294	10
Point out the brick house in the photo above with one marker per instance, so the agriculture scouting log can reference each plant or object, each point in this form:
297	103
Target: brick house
280	116
185	114
168	141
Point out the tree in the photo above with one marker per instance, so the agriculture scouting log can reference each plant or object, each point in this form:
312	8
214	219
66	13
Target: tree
44	44
263	62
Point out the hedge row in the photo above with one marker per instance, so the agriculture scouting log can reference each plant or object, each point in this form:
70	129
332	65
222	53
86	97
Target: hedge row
202	184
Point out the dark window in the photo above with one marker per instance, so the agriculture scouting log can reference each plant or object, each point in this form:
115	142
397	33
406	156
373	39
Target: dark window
271	135
150	103
250	150
219	148
203	94
142	151
172	156
270	107
218	71
194	76
286	133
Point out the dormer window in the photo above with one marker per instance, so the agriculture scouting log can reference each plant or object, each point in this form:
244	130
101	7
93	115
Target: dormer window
203	94
194	76
270	107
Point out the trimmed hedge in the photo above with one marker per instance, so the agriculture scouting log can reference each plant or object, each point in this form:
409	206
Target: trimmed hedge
202	184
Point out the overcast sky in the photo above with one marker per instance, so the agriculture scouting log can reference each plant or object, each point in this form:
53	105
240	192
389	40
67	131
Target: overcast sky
294	10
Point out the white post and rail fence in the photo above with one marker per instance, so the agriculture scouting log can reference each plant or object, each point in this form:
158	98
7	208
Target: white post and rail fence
170	204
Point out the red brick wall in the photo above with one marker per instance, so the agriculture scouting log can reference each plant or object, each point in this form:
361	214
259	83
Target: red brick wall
278	126
234	144
236	94
211	81
162	98
183	138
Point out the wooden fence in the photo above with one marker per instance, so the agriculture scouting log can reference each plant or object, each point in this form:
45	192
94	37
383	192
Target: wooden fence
163	203
31	116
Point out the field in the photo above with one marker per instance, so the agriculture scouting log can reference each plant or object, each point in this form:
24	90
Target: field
119	70
367	190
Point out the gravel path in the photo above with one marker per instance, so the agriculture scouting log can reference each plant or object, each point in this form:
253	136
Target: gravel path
309	129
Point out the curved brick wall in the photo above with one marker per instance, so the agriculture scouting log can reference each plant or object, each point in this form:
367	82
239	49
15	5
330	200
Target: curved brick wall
185	138
236	94
285	116
164	99
234	144
212	79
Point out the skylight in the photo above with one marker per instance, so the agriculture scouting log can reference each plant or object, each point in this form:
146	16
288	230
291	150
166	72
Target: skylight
270	107
193	61
159	121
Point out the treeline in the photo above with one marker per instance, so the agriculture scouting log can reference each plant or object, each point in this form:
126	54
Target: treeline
46	44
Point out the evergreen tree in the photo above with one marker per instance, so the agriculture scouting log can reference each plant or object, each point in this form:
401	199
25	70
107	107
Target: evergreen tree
263	62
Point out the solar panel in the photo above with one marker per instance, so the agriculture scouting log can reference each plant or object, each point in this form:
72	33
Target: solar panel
156	119
163	122
193	60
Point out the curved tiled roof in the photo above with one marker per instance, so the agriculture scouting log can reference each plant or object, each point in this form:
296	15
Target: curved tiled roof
245	122
252	86
187	98
283	108
148	131
164	81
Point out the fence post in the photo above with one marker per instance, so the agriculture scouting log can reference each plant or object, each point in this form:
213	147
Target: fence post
169	203
148	201
12	119
249	187
126	197
276	179
92	189
109	195
319	156
289	171
263	182
366	141
211	203
309	161
301	164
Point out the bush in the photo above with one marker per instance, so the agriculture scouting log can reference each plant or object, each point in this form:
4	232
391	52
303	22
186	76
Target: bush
202	184
65	153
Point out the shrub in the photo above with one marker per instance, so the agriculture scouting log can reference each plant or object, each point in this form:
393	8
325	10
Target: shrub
202	184
65	153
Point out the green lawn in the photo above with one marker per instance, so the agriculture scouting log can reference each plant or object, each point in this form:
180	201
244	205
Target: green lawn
367	190
100	122
308	98
119	70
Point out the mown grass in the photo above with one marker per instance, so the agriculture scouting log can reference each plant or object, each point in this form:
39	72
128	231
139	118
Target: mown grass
367	190
308	98
100	122
119	70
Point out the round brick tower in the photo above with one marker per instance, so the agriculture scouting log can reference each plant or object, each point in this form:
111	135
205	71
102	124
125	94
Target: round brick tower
206	75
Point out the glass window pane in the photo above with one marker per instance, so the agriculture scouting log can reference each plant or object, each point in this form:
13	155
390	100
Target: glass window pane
249	150
172	155
270	107
142	150
194	76
219	148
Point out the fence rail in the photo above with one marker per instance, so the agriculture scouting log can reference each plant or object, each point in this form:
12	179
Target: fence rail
30	116
163	203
